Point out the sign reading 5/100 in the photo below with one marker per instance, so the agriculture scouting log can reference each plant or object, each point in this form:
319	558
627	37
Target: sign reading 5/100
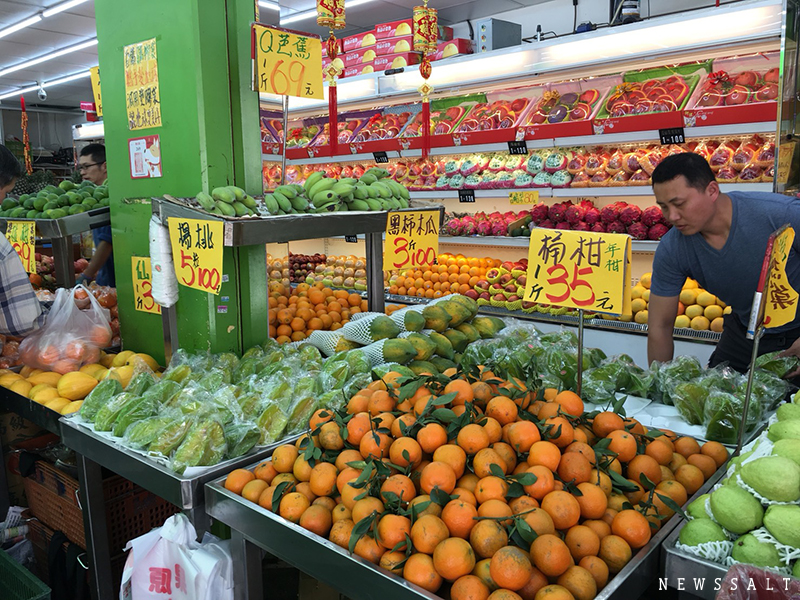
287	63
197	253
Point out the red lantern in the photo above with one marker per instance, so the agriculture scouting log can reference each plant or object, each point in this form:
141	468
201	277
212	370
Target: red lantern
330	14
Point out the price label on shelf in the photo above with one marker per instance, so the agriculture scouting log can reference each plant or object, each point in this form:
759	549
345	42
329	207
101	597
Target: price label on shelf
526	197
580	269
412	239
466	195
674	135
352	239
22	236
197	253
143	285
380	157
287	63
518	147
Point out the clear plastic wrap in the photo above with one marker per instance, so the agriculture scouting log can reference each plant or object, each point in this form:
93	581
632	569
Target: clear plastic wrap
667	375
778	365
723	415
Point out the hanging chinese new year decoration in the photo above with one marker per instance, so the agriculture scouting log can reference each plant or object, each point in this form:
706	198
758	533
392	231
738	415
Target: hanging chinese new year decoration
330	14
426	32
26	141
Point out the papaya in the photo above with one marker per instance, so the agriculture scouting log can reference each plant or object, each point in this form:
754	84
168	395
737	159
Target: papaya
458	313
344	345
382	327
421	367
413	320
473	335
436	317
442	363
424	345
468	303
443	346
399	351
488	327
458	339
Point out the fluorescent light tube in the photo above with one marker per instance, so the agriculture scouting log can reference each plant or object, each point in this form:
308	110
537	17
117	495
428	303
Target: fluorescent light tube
269	5
47	57
54	10
21	25
46	84
298	17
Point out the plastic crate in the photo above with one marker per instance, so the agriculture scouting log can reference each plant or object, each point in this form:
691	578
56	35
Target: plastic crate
16	583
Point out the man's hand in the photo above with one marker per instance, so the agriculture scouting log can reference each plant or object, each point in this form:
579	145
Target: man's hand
793	350
82	279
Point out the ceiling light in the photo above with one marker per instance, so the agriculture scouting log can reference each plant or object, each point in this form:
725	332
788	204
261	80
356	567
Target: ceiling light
355	3
46	84
269	5
46	57
298	17
21	25
54	10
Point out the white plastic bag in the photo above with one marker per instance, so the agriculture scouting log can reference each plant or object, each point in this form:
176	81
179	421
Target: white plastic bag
165	284
168	562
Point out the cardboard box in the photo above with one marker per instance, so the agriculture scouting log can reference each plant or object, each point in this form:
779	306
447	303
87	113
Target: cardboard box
454	47
362	40
396	45
445	33
396	61
357	57
393	29
358	70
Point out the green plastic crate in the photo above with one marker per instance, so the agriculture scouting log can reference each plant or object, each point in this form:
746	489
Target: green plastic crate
16	583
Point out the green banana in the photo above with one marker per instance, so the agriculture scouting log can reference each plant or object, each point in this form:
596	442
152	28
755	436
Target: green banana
398	191
403	203
282	200
359	205
287	191
347	197
241	209
297	188
342	188
223	194
226	209
360	192
324	197
329	207
379	172
350	180
374	204
368	178
372	192
206	201
299	203
312	180
383	189
238	192
271	204
249	202
325	184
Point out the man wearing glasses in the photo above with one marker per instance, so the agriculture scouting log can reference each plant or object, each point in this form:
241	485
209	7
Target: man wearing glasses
92	166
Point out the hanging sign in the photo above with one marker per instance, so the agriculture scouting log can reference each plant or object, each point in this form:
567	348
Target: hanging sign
94	73
22	236
142	96
412	239
780	298
144	154
143	285
580	269
287	63
785	156
197	252
526	197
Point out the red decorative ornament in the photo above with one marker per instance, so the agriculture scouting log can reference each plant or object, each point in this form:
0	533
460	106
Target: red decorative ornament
26	141
330	13
426	33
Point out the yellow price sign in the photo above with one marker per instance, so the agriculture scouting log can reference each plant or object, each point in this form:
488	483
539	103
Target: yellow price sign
94	73
287	63
785	156
142	95
780	298
197	253
22	236
526	197
579	269
143	285
412	239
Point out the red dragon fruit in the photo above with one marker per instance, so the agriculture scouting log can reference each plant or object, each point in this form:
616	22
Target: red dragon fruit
539	213
599	228
557	212
657	231
615	227
484	228
547	224
637	231
575	213
581	226
611	212
499	228
454	227
630	214
468	227
592	216
652	215
563	225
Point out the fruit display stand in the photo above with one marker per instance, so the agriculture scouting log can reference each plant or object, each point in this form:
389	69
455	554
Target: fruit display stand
254	529
60	232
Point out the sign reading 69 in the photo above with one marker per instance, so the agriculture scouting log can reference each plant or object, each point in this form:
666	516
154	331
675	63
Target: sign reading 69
287	63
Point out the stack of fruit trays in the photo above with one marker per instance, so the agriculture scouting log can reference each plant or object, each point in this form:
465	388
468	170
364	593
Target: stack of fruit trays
738	81
386	125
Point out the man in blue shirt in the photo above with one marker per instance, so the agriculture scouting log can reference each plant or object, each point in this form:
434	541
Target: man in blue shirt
92	165
719	240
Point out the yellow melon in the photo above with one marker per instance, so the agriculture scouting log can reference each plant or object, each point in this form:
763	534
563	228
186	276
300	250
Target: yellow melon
146	358
682	321
107	360
21	387
76	385
45	395
47	377
9	378
712	312
121	359
57	404
706	299
72	407
695	310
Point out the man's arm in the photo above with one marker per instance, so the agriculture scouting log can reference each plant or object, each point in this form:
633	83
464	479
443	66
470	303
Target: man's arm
20	311
793	350
661	313
101	254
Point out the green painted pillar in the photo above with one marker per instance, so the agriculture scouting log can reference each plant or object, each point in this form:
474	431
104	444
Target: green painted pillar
209	137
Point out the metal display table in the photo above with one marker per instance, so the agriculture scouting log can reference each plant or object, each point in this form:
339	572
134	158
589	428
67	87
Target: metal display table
94	452
60	232
254	528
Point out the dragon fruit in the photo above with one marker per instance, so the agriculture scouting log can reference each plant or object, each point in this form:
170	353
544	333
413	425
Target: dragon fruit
657	231
637	231
599	228
652	216
454	227
557	212
468	227
539	213
484	228
500	228
575	213
547	224
581	226
630	214
592	216
563	225
611	212
616	227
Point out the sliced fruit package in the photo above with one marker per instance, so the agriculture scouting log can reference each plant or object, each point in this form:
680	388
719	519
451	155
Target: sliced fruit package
500	111
446	115
386	125
348	126
567	101
303	132
740	80
665	89
736	161
269	133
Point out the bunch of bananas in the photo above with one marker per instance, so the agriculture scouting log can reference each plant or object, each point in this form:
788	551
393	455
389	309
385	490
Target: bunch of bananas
229	201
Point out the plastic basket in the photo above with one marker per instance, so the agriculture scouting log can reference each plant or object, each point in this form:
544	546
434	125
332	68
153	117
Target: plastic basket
16	583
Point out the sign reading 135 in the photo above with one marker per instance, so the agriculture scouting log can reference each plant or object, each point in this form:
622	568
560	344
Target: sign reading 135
412	239
579	269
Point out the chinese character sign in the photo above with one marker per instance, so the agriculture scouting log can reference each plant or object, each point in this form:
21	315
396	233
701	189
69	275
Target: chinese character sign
143	285
98	98
22	236
412	239
142	97
579	269
197	253
780	298
526	197
287	64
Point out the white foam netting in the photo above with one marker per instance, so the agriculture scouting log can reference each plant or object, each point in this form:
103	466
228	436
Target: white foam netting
361	315
324	341
359	331
717	552
374	352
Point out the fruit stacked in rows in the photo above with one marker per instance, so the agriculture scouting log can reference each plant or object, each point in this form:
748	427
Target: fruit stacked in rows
294	314
56	202
452	274
476	484
348	272
652	96
732	89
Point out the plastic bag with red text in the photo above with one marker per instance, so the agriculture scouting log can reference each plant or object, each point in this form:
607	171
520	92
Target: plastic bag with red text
746	582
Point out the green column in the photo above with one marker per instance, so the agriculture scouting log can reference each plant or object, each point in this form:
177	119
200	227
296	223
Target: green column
209	137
